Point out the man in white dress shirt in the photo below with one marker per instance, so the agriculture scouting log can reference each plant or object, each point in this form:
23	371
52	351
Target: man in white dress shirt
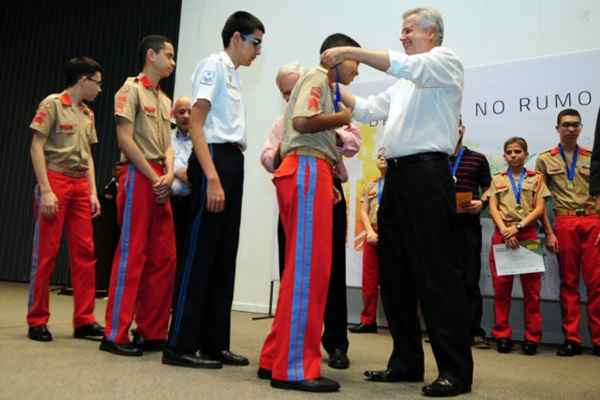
417	252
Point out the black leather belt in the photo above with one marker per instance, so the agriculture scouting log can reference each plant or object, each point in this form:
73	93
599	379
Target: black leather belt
414	158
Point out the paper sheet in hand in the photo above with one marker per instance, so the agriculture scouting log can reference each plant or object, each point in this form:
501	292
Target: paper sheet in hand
526	259
462	199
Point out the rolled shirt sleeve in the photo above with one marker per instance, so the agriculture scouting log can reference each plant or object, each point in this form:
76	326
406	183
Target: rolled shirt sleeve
437	68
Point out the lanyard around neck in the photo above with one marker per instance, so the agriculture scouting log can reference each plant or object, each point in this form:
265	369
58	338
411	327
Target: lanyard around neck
516	188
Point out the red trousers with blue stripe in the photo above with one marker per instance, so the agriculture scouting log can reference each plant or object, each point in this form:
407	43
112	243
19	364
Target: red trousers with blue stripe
143	270
75	215
531	284
370	284
578	255
292	350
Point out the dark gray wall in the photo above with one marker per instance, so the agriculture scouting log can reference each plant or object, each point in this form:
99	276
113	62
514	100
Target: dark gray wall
37	39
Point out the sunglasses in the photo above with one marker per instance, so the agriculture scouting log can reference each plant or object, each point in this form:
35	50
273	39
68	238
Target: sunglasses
255	41
99	83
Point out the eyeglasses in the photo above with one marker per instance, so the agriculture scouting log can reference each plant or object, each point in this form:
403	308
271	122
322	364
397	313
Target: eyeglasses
255	41
571	125
99	83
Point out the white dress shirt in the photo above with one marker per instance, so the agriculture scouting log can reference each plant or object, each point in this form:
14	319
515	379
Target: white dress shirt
182	149
422	109
216	80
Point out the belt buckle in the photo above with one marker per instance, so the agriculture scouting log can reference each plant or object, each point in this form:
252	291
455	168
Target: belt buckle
580	212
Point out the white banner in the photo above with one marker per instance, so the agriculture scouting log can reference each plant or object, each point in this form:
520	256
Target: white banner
520	98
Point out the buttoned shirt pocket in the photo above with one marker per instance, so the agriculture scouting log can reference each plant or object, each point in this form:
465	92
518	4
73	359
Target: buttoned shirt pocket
584	170
149	110
555	171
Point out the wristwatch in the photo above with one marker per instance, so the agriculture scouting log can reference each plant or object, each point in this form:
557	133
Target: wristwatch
519	226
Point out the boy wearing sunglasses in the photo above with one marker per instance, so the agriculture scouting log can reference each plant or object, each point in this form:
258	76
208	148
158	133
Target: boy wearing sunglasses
199	335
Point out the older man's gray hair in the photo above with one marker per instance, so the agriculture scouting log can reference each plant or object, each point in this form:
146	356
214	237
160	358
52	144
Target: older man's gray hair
292	68
428	18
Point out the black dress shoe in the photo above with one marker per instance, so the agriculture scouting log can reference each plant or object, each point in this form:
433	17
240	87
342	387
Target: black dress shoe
363	328
89	331
39	333
480	342
596	351
338	360
321	385
190	360
569	348
146	344
229	358
390	375
529	348
504	345
443	387
264	373
127	350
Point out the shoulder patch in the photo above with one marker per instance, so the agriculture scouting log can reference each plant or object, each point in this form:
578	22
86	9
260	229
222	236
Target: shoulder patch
531	173
208	77
314	100
554	151
42	113
584	152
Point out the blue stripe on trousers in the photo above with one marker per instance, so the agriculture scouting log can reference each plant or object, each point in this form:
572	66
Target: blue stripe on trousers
302	270
190	253
35	257
123	251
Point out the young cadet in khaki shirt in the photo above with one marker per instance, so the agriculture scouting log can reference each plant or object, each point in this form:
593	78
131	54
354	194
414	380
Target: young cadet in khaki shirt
369	205
516	202
576	235
65	195
141	283
305	194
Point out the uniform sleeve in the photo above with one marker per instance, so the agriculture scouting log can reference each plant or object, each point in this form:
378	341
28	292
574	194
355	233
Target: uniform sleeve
485	176
595	164
364	198
543	188
207	80
438	68
310	95
492	190
126	103
45	117
540	168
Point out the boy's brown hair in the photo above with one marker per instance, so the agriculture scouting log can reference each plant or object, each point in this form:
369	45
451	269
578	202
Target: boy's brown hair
518	140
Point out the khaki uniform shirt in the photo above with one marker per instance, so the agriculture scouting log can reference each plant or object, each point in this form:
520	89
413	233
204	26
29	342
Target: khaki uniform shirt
370	197
142	103
552	166
533	187
70	130
311	96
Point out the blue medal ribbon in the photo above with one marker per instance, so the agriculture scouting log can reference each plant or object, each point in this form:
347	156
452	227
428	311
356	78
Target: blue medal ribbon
337	98
454	166
516	189
570	171
379	190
